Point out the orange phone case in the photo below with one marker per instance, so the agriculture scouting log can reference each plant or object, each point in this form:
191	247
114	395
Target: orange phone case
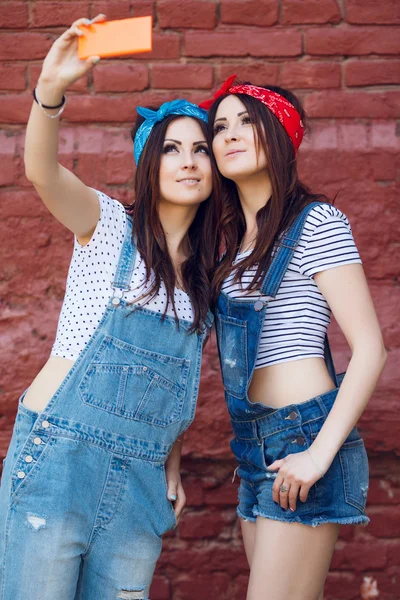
115	38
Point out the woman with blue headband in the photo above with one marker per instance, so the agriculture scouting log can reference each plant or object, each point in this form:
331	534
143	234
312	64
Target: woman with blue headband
91	479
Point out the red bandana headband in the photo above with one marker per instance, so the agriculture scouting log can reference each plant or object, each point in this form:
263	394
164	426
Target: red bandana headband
284	111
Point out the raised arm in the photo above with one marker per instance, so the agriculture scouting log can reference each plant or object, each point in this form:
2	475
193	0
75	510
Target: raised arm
71	202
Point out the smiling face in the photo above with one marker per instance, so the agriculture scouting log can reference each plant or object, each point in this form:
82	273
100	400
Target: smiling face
234	143
185	166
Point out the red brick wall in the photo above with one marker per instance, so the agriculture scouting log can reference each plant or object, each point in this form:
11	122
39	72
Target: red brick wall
341	57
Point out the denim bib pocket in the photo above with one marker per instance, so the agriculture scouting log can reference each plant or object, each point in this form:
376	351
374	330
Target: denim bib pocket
232	343
134	383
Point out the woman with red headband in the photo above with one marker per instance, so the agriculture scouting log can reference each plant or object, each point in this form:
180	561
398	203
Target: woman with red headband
290	260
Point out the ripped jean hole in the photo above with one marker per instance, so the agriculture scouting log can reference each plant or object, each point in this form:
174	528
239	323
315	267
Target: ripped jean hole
36	522
131	595
230	362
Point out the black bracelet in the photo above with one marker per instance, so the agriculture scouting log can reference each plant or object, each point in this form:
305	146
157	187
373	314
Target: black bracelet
45	105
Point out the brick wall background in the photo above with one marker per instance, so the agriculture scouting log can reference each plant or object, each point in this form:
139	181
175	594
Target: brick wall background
341	57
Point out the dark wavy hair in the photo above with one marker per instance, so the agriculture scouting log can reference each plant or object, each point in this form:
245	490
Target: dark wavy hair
149	234
289	195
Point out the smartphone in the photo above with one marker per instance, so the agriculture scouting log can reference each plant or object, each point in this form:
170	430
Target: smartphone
115	38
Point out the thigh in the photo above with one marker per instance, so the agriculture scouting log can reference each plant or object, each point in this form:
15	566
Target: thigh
127	542
36	562
249	537
119	574
29	530
48	505
247	502
290	560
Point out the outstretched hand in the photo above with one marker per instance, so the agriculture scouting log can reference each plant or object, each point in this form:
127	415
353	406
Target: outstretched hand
62	67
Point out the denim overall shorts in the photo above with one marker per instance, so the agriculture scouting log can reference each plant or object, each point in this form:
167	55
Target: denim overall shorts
263	434
83	501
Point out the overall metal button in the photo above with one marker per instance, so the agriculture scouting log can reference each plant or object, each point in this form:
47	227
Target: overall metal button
258	305
300	441
292	416
116	301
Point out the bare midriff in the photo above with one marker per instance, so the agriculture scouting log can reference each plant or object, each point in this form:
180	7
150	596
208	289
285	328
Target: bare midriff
290	382
47	382
277	386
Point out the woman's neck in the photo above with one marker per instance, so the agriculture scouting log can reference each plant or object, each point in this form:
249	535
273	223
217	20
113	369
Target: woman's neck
175	221
254	193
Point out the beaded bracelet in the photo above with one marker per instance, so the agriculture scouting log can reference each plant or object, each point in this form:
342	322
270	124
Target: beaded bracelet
61	106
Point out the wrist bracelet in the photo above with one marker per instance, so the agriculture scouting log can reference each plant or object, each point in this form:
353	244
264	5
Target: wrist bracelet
63	101
61	106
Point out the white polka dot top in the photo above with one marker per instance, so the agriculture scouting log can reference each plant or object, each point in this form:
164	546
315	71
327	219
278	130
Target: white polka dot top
88	287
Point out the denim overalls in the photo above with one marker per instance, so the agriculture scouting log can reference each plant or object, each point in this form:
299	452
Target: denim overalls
83	504
264	434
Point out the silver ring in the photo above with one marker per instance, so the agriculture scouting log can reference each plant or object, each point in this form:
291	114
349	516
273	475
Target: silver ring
283	488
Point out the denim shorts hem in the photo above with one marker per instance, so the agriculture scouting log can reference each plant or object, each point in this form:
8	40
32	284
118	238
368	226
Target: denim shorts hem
361	520
244	517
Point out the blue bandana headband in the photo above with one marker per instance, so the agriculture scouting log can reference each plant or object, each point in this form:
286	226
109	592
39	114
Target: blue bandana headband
176	107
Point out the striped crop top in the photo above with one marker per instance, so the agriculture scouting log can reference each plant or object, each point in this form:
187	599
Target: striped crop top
296	320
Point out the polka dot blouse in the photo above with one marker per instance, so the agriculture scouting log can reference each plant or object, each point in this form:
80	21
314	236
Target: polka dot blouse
89	289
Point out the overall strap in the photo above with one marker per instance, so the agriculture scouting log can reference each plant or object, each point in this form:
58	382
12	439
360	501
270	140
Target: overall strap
209	319
284	254
126	263
337	379
277	270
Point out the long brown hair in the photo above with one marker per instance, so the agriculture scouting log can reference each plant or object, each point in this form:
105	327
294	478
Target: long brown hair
289	196
149	236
